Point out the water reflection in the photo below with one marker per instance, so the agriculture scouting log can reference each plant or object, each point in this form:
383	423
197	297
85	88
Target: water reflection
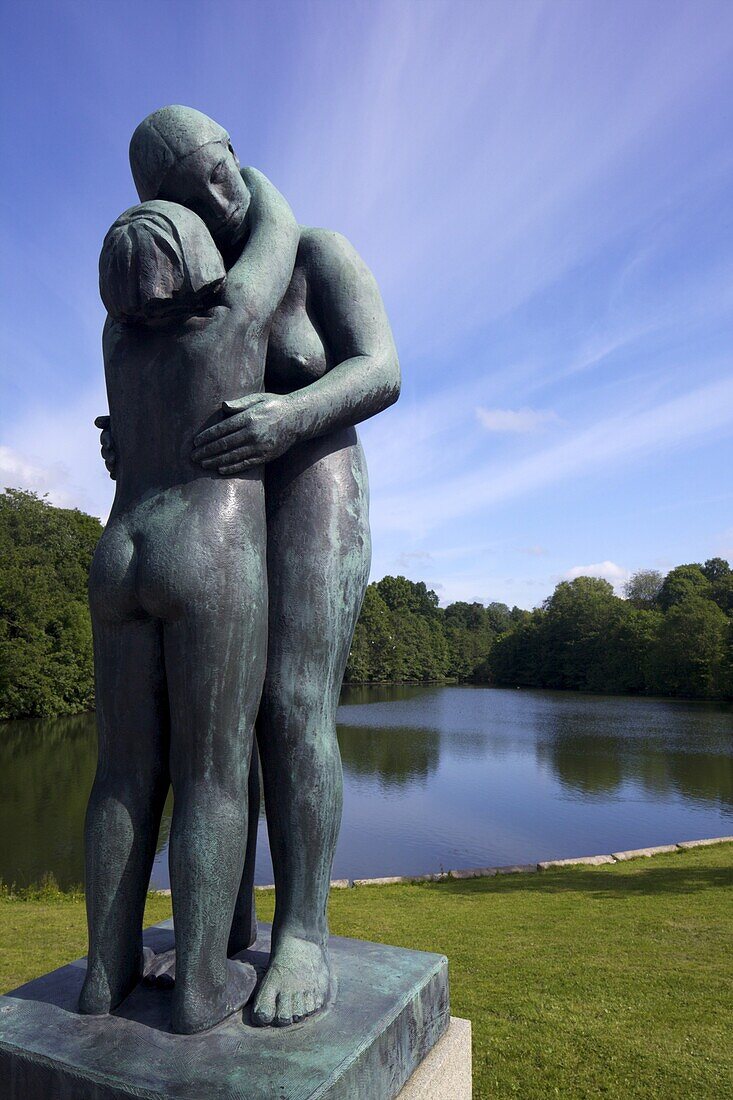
664	749
46	773
404	757
434	776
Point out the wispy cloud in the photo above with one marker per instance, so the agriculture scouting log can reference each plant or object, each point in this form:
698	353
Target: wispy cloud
542	191
515	421
536	551
604	449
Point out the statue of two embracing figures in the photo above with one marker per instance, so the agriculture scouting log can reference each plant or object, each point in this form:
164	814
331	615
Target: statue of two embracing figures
240	350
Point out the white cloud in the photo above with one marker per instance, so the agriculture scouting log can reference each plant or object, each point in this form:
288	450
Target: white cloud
56	451
19	472
515	421
606	570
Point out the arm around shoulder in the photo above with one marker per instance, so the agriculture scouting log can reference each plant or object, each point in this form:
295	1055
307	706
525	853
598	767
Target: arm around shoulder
261	275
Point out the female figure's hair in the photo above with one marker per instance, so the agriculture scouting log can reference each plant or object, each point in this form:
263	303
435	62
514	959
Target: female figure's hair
158	258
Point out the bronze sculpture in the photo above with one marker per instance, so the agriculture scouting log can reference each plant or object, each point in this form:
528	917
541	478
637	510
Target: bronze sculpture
330	363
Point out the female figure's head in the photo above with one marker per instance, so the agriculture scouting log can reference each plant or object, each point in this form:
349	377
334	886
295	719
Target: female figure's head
158	260
183	156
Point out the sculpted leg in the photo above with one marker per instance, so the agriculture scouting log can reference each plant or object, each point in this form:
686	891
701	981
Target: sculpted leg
162	971
318	562
125	805
215	662
244	924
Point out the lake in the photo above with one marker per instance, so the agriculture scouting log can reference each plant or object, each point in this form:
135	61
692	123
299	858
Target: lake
435	778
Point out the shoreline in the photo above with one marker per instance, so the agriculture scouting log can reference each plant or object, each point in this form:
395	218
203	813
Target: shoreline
516	868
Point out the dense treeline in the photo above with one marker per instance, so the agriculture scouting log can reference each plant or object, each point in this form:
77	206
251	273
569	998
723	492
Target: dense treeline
671	635
46	663
403	634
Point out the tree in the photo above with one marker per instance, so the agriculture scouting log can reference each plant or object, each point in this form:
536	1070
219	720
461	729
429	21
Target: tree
578	618
629	644
372	656
470	632
400	594
715	569
720	575
682	583
643	587
516	657
692	651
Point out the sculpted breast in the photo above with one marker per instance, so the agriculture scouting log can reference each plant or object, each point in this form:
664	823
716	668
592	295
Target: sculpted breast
296	355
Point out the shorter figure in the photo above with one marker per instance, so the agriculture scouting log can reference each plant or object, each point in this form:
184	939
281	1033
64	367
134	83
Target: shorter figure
178	594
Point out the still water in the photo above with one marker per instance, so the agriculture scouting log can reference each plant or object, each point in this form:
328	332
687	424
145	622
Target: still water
435	777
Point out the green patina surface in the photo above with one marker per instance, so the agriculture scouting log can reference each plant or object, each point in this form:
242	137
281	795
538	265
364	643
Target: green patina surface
392	1007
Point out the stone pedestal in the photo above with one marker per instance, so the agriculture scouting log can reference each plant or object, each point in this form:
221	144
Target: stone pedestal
392	1009
446	1072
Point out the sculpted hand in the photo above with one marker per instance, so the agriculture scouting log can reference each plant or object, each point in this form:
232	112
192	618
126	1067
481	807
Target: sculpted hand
257	429
105	439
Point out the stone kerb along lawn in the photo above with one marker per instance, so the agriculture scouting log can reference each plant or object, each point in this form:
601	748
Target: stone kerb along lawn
613	980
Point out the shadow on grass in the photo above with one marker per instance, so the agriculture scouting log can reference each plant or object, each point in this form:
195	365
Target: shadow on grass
612	882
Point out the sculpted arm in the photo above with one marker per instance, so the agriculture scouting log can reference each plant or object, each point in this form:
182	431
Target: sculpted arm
364	380
351	315
259	278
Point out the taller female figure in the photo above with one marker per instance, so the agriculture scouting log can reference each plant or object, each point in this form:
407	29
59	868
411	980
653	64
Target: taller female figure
331	363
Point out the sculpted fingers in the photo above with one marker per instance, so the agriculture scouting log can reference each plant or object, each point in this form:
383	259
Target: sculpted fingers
212	435
241	404
245	459
238	434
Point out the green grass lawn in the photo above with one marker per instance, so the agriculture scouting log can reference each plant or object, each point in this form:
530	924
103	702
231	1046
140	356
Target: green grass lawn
611	981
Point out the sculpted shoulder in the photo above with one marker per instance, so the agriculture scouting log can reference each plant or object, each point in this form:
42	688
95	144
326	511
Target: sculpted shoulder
324	250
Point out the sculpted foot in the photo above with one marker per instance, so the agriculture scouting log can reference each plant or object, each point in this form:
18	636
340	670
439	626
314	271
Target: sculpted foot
99	996
192	1013
296	984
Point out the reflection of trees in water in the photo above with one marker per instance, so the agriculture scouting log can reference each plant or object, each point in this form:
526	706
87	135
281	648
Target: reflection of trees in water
46	773
357	694
396	756
598	764
588	764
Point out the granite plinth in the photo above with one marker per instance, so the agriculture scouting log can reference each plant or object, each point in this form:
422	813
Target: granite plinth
391	1009
446	1072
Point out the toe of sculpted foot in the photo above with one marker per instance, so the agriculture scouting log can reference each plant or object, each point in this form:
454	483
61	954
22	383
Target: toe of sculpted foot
298	982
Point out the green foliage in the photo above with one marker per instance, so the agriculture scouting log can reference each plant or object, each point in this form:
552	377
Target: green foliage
403	634
46	665
668	637
682	583
691	650
642	589
671	635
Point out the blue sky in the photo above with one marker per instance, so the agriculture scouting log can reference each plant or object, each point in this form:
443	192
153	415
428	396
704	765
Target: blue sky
544	192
